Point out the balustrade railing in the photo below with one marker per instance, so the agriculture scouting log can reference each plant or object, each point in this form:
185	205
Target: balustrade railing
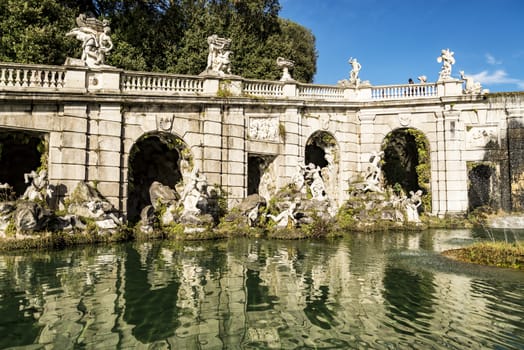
38	77
320	92
31	76
405	91
262	88
161	83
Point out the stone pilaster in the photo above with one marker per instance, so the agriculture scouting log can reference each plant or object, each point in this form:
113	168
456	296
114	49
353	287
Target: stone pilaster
67	150
234	155
212	158
293	149
450	188
104	166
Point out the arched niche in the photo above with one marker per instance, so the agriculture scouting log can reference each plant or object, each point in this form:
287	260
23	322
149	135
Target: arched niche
322	150
406	163
156	156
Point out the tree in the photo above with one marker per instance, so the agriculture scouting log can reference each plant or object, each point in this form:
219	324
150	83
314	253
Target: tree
161	35
33	31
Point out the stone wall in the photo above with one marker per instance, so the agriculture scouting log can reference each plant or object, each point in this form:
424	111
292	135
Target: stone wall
92	128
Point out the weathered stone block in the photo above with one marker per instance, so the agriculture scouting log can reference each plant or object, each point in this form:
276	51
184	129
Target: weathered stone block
107	128
70	172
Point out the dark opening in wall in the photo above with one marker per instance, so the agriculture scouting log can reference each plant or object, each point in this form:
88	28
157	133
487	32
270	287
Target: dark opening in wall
255	164
316	155
20	153
154	157
482	186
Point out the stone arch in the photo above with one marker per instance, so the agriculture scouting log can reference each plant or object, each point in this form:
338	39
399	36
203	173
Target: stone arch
155	156
406	162
322	150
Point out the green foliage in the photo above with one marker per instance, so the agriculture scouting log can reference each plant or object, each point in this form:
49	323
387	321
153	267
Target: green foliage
33	31
500	254
160	35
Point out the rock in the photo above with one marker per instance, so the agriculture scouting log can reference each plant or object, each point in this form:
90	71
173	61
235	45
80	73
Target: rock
106	224
162	194
29	216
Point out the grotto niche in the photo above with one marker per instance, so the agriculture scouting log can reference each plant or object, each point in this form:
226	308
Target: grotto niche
406	163
261	175
21	152
160	157
322	151
483	185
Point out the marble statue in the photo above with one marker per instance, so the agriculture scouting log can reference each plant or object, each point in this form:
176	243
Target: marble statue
194	192
412	203
373	176
471	86
317	186
286	65
38	189
447	60
285	217
423	79
218	60
95	38
355	70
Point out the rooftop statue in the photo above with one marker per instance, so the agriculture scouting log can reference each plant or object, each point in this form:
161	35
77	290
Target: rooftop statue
471	86
447	60
286	65
218	60
95	38
355	70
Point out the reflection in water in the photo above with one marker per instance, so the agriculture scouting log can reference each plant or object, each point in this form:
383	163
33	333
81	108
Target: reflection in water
378	291
152	312
409	297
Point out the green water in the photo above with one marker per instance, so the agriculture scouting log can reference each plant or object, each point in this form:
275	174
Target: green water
380	291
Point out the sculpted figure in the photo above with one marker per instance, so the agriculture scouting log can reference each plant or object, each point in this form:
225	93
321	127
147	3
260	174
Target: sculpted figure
374	173
412	205
472	87
193	193
286	217
39	187
447	60
218	57
105	44
355	70
96	42
317	187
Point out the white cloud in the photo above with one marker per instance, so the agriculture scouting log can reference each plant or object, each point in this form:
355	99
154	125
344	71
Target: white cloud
492	60
497	77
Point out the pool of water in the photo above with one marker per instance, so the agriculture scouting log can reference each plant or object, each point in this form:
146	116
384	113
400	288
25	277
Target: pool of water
364	291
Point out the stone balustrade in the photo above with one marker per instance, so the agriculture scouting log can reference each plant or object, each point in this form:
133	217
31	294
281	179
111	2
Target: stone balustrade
263	88
405	91
70	78
141	82
18	76
310	91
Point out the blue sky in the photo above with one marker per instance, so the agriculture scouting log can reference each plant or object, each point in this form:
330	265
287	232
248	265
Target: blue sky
395	40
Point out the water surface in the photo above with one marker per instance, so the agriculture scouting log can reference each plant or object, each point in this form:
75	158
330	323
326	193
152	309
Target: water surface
379	291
